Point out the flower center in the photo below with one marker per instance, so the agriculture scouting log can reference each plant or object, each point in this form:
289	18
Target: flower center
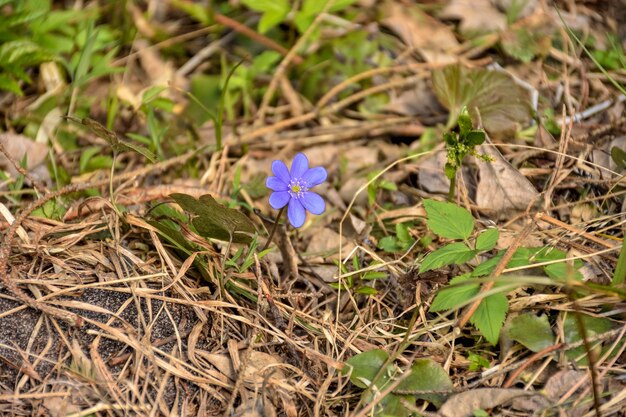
297	188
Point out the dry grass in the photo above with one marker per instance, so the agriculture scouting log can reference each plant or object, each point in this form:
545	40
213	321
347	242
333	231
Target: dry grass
101	315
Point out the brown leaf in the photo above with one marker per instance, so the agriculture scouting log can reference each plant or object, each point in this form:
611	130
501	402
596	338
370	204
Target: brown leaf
60	406
501	187
476	16
19	145
418	30
464	404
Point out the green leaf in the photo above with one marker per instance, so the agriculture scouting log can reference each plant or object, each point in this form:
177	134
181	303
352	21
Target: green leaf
216	221
366	290
490	96
487	239
171	234
152	93
532	331
618	156
389	244
448	220
52	209
562	272
402	232
454	253
475	137
490	315
9	84
274	12
426	375
456	294
519	258
365	367
593	326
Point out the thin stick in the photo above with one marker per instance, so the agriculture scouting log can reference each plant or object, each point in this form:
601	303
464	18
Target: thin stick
269	239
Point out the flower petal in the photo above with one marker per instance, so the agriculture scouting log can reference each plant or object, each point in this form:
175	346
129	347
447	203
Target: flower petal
296	213
279	199
299	166
280	170
313	203
315	176
276	184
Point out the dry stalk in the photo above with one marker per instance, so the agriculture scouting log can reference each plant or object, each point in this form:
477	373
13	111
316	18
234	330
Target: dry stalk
5	251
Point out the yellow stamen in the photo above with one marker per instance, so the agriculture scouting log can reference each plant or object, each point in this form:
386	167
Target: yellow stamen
295	188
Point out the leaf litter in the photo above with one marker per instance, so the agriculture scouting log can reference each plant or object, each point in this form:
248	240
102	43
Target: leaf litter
174	309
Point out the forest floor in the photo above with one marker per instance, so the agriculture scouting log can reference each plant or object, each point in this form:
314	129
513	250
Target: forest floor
138	276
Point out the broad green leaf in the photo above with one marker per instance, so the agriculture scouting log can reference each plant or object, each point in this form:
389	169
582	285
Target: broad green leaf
389	244
490	96
490	315
52	209
593	326
519	258
618	156
426	375
454	253
216	221
274	12
365	367
562	272
532	331
9	84
475	137
201	12
402	232
456	294
559	271
448	220
487	239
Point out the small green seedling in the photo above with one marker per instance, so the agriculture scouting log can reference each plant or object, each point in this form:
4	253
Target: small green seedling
461	144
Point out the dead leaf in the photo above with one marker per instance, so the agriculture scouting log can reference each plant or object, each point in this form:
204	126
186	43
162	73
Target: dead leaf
431	176
18	146
431	38
561	382
419	101
349	189
501	188
493	98
464	404
60	406
258	366
326	243
476	16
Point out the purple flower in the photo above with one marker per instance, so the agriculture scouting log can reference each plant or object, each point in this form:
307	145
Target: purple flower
293	188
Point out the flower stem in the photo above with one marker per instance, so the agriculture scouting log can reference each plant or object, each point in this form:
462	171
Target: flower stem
269	239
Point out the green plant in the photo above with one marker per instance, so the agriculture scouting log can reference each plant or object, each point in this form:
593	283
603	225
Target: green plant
612	58
22	32
277	11
374	371
450	221
400	242
459	145
362	279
